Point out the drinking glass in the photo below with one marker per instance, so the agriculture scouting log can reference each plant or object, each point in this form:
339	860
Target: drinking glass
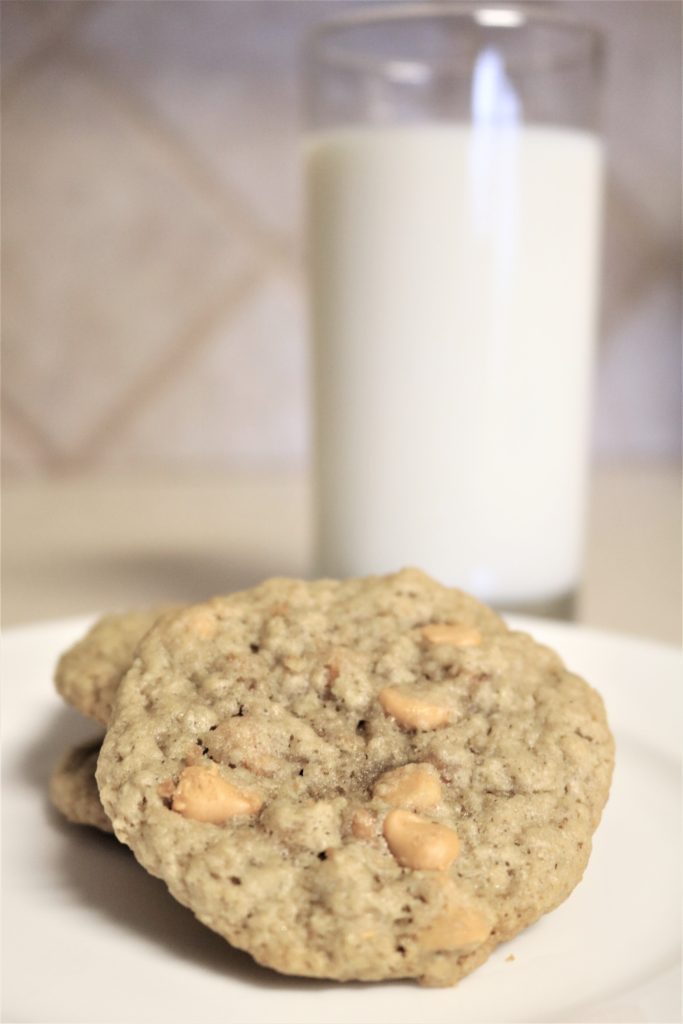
454	180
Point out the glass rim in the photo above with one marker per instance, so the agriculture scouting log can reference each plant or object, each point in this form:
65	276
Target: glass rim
501	17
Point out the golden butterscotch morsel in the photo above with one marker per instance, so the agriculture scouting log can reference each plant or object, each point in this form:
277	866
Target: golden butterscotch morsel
454	634
198	620
202	794
457	928
414	787
412	712
418	843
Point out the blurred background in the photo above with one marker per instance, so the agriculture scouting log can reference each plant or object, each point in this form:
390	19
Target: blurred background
156	432
153	288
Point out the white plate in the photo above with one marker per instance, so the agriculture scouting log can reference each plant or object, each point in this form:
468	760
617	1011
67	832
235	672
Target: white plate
89	936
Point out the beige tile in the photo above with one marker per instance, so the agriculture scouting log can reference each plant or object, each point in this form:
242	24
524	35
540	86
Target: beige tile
638	398
243	400
634	256
642	114
108	253
121	264
227	76
23	452
28	26
642	101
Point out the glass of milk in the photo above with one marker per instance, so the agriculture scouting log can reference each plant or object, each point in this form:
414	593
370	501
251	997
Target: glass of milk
454	179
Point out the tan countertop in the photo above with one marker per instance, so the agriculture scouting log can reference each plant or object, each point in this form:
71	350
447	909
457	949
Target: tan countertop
85	544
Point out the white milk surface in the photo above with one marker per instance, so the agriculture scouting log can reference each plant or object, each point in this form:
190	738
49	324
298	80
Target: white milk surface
454	277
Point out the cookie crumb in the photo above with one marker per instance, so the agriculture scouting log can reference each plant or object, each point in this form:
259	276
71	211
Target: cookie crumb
509	958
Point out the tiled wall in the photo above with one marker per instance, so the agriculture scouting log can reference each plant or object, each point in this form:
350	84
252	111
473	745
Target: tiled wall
152	279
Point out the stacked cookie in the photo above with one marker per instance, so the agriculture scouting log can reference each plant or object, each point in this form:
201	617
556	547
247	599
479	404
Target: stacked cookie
366	779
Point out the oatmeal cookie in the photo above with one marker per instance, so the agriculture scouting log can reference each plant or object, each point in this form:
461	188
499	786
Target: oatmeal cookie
365	779
89	673
73	789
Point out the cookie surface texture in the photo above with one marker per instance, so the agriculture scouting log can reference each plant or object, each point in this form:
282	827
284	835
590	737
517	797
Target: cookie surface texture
88	674
364	779
73	789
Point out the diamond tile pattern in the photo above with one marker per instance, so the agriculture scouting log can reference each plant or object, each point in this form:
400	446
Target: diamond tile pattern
108	253
153	302
226	78
243	398
28	27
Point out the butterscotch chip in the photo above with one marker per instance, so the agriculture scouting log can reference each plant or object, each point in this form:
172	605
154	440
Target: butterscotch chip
453	634
73	789
418	843
204	795
412	711
458	928
200	621
415	787
420	801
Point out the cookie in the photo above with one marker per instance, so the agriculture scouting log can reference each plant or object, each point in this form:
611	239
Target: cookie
89	673
73	789
365	779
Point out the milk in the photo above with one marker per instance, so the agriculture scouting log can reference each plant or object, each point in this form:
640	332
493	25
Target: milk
454	289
